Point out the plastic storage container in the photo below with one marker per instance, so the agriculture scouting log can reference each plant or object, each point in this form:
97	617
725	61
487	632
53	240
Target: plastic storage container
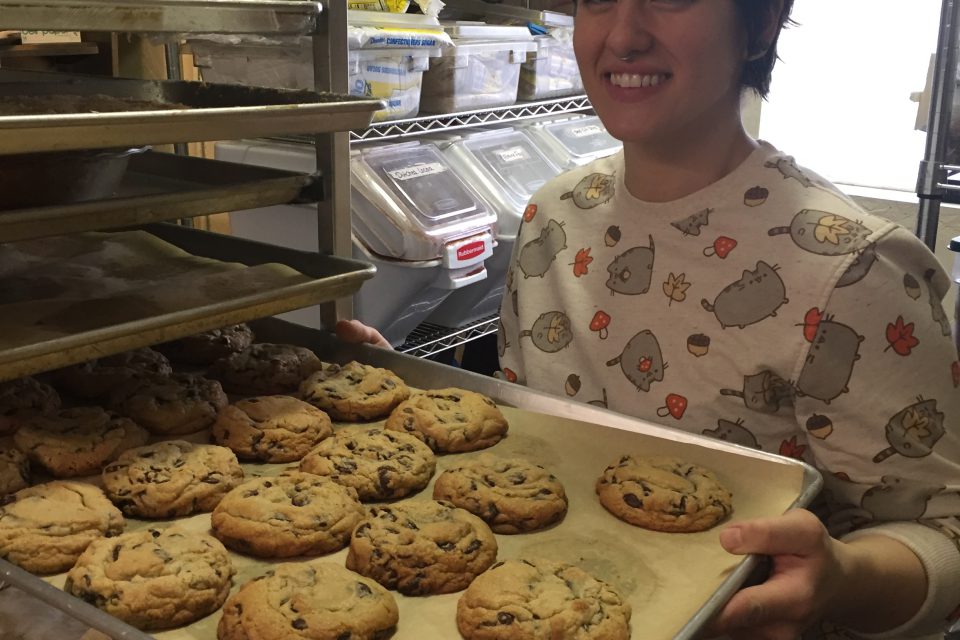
481	70
575	141
550	71
395	75
404	292
507	167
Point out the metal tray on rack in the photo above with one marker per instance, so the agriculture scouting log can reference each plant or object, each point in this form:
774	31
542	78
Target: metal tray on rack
163	186
73	298
201	111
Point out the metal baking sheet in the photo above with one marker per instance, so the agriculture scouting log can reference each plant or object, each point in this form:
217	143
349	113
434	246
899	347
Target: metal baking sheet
164	186
210	112
72	298
674	582
178	16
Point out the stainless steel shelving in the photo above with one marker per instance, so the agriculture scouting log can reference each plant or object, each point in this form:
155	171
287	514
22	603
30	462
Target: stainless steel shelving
430	339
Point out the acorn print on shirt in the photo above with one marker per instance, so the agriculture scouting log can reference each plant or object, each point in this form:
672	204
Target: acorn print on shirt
592	191
691	225
824	233
550	332
537	255
788	168
913	431
755	196
641	361
631	271
827	369
754	297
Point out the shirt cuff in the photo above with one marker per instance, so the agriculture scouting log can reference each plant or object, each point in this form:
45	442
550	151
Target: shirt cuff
941	561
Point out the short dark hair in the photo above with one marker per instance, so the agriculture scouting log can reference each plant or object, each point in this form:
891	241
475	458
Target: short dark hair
756	73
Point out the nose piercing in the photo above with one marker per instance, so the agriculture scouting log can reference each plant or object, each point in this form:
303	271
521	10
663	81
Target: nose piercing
627	58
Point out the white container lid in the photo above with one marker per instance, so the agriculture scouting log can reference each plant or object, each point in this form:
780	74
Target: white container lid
584	139
409	203
483	31
386	19
469	47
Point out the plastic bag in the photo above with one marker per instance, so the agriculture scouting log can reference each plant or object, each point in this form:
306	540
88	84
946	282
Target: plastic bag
428	7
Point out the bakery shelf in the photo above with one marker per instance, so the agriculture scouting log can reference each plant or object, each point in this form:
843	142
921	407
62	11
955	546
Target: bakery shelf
45	49
172	16
200	111
73	298
430	339
163	186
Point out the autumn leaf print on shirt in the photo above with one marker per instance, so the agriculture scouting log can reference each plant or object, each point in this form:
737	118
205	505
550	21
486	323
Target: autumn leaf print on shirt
790	448
900	337
675	288
581	264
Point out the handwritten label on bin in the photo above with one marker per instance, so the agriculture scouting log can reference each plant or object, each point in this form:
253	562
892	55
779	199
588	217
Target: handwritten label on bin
417	171
512	154
583	132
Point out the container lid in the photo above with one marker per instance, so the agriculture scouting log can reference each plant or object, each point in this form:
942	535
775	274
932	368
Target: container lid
385	19
583	137
468	47
409	202
483	31
396	55
514	161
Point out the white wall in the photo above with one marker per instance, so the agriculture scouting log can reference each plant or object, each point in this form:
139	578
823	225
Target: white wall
840	100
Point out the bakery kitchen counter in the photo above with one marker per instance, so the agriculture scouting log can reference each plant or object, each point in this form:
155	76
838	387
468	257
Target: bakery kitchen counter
673	582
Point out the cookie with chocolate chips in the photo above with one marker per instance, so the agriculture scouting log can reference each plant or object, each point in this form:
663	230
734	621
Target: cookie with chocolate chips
170	405
421	547
664	494
171	479
309	600
155	578
271	428
99	378
450	420
265	369
25	397
78	441
295	514
512	495
14	471
541	599
209	346
45	528
380	465
354	391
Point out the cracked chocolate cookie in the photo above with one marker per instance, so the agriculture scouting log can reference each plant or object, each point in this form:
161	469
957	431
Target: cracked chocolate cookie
271	428
170	406
265	369
155	578
14	471
380	465
45	528
509	494
295	514
663	494
209	346
541	599
422	547
77	441
171	479
25	397
309	601
450	420
99	378
354	391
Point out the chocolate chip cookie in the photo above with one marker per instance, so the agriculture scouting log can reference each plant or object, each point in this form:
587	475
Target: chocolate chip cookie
510	494
422	547
450	420
171	479
14	471
209	346
380	465
541	599
354	391
664	494
294	514
78	441
45	528
155	578
265	369
99	378
173	405
22	398
271	428
309	601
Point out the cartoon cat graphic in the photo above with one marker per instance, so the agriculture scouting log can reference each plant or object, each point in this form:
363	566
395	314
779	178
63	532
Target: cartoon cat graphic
899	498
913	431
641	361
859	268
592	191
631	271
754	297
537	255
825	233
764	392
829	363
788	168
691	225
550	332
733	432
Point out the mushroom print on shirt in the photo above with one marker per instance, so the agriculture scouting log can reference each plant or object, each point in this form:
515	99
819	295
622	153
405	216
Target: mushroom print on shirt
784	317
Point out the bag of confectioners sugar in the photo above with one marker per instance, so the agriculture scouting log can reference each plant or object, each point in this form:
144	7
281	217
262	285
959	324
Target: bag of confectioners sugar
428	7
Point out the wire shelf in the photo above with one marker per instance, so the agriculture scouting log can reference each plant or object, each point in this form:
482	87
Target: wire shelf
430	339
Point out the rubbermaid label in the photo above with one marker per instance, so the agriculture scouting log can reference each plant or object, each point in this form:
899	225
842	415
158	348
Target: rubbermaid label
583	132
512	155
471	249
417	171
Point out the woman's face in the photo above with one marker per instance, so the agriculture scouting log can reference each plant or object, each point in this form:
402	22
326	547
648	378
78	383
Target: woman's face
658	70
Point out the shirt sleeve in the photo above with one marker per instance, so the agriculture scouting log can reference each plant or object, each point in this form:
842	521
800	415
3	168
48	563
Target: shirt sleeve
508	331
891	454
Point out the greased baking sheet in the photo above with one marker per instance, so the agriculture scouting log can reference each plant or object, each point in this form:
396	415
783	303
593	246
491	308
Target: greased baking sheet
667	578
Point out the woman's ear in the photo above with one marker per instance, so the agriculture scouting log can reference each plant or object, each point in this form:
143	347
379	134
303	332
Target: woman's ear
768	35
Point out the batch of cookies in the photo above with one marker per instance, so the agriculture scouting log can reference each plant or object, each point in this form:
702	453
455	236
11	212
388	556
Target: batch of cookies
121	419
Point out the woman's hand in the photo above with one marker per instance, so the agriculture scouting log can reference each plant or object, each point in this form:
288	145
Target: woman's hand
355	332
870	584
